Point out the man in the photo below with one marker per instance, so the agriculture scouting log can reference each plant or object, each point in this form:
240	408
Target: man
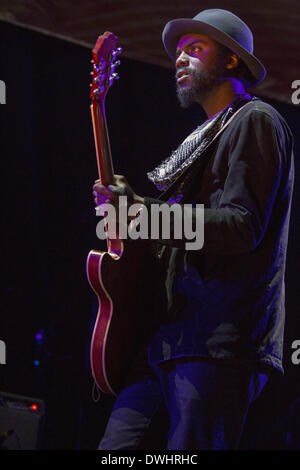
220	309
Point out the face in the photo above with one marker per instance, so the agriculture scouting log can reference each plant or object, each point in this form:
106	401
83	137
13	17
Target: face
199	68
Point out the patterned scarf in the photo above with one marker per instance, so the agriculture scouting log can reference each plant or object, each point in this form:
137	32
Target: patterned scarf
193	146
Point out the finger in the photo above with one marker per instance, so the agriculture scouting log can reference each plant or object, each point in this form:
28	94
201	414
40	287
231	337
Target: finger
100	189
118	190
120	180
101	199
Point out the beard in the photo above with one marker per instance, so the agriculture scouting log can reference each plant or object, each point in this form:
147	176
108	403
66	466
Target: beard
202	83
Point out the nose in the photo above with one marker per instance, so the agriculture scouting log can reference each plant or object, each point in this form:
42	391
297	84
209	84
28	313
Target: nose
182	60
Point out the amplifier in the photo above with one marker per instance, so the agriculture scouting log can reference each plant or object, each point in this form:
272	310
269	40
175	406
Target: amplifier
22	421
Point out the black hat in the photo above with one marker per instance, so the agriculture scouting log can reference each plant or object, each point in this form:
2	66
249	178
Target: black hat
222	26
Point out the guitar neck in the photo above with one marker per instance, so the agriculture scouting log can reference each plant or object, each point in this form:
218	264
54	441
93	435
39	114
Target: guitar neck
102	144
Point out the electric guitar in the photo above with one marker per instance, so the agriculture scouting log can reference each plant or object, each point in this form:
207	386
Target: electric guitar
121	276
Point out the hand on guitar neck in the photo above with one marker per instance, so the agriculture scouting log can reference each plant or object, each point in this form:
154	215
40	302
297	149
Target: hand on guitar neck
110	194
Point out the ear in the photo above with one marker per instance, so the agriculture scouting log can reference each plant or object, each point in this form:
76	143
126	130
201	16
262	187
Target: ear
233	61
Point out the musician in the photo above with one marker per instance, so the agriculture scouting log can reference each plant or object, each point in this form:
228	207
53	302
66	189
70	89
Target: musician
220	308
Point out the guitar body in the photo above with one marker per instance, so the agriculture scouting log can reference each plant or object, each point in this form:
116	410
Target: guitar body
124	315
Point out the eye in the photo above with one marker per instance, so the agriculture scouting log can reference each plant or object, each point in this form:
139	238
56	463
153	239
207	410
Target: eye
196	49
193	49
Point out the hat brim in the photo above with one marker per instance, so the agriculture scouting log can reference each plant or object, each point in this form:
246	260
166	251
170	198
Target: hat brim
175	29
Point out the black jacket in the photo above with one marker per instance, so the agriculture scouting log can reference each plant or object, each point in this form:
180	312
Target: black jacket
227	299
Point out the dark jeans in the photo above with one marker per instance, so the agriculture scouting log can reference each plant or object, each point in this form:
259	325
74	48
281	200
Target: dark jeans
207	404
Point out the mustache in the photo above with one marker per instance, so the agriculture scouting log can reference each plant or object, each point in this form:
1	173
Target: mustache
183	71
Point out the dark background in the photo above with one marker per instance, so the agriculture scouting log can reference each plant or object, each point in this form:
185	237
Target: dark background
48	226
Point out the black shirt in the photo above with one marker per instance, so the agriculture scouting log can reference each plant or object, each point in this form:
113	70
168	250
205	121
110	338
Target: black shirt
227	300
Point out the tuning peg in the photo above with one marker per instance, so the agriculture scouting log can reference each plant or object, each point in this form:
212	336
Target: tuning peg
100	66
116	52
99	78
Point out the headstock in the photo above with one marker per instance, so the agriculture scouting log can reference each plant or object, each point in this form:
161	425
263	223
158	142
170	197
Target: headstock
104	63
